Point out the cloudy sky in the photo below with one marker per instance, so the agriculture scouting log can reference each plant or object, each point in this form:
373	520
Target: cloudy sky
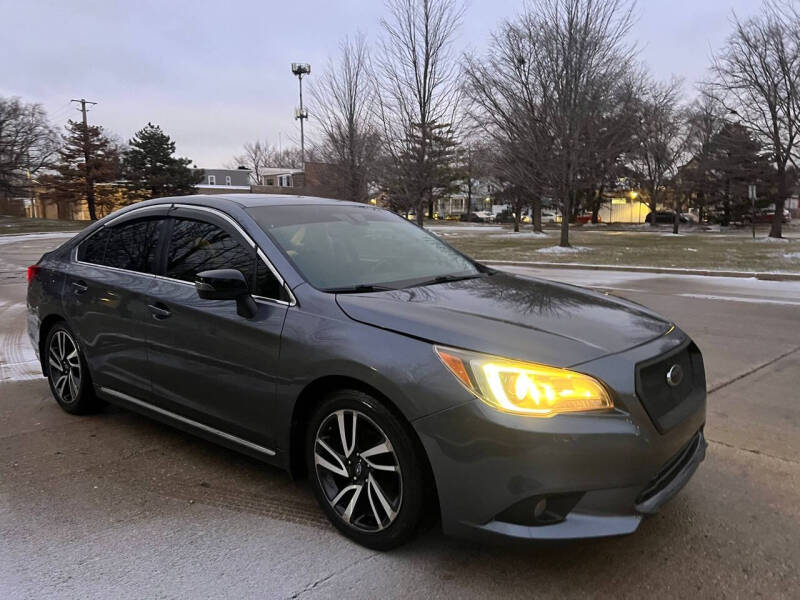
216	74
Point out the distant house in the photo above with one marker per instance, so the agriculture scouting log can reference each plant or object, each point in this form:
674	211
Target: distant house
280	178
315	180
221	181
458	202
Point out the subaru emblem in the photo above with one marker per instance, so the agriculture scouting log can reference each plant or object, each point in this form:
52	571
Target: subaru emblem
674	376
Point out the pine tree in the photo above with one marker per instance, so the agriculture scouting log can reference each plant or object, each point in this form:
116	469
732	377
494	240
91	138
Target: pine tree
151	167
425	170
722	170
74	178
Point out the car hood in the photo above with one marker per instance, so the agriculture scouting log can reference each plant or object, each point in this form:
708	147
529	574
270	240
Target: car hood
515	317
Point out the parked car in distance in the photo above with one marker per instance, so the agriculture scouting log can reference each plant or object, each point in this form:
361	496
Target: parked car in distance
487	216
765	215
480	216
690	217
340	342
664	217
505	216
549	217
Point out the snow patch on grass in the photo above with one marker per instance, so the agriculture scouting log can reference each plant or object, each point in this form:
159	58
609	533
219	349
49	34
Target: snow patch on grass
563	250
792	255
522	235
773	240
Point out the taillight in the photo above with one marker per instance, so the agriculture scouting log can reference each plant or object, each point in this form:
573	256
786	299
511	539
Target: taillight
33	271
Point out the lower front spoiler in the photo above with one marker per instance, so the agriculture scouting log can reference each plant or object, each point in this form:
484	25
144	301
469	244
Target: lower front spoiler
583	522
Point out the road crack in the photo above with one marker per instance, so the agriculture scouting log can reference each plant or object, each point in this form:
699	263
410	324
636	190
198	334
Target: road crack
755	369
754	451
310	587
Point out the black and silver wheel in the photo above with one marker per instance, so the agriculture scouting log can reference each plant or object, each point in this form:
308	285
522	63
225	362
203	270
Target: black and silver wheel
67	372
365	470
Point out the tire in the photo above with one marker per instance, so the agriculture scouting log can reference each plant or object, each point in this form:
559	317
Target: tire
379	466
68	373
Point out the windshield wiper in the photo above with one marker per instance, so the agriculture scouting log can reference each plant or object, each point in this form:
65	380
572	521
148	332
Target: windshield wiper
448	279
358	289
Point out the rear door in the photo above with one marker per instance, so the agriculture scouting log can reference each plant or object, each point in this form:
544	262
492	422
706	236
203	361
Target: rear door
208	363
105	299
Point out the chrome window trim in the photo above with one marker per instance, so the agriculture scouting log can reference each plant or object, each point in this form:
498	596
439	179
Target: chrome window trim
191	422
281	281
136	210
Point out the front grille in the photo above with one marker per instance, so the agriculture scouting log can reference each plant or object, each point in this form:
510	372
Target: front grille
671	469
667	405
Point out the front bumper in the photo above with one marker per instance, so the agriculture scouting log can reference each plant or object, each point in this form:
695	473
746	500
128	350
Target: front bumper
613	467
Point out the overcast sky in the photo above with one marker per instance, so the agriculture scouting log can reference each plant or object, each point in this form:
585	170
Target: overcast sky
216	74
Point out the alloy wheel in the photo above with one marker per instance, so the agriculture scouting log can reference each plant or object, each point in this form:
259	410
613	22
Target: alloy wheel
358	470
64	366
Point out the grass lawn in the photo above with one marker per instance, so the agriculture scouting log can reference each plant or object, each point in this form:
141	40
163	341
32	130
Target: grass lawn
733	250
9	225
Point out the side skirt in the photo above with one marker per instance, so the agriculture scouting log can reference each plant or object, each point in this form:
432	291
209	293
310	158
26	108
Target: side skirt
190	426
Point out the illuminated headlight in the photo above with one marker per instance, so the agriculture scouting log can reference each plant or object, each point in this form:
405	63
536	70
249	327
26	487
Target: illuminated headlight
525	388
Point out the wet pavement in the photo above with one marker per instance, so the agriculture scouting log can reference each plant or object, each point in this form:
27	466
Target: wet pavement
118	506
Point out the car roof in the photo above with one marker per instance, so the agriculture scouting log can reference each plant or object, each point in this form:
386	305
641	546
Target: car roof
252	200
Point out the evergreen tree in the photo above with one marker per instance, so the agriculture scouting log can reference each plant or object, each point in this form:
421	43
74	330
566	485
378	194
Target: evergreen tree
75	177
151	167
424	171
723	168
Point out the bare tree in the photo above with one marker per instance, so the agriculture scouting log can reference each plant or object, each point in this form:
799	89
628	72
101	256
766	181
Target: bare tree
757	80
28	145
344	108
260	155
569	57
255	157
661	142
610	139
504	106
419	98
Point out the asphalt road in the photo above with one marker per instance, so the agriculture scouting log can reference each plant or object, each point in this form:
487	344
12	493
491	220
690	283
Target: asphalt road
118	506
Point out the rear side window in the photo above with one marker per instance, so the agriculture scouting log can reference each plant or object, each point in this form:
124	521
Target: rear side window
132	246
93	249
197	246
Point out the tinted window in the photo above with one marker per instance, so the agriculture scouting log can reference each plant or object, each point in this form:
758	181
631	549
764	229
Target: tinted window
266	283
93	249
196	246
340	246
133	246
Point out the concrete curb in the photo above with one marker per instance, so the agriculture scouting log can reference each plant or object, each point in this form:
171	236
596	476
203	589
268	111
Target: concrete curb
664	270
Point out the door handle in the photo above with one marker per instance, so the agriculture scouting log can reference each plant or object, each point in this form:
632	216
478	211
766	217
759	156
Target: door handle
159	310
79	287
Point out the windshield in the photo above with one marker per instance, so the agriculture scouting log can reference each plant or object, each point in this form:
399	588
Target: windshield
342	248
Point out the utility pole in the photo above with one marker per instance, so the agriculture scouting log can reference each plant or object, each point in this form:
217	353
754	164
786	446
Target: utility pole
86	157
301	113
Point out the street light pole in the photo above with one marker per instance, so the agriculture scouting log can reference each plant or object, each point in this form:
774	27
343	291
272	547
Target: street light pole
301	113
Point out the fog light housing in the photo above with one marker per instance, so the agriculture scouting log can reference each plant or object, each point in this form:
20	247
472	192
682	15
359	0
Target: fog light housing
536	511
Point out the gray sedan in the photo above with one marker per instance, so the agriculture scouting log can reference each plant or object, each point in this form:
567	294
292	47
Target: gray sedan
406	381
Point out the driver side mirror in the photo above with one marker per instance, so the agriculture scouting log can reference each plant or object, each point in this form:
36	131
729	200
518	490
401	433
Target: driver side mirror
226	284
